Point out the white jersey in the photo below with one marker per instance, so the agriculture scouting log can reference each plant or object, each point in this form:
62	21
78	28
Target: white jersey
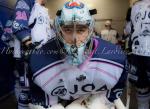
97	74
41	31
140	18
109	35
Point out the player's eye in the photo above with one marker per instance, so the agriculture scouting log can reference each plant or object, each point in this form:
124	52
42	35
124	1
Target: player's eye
81	31
68	30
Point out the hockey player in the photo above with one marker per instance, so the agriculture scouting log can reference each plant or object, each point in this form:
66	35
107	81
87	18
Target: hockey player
7	79
127	31
39	21
76	66
7	36
20	25
139	28
22	33
109	34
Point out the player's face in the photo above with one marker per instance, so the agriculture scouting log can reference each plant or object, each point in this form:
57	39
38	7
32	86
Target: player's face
42	2
75	34
108	27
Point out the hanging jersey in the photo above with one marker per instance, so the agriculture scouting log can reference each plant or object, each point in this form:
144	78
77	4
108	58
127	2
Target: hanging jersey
6	69
140	17
1	29
109	35
7	31
7	36
21	16
103	72
40	20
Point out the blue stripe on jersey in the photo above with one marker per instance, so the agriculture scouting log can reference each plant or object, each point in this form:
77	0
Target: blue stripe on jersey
50	53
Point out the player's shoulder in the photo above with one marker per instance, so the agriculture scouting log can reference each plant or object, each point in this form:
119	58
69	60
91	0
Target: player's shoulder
109	51
106	44
113	30
47	54
137	3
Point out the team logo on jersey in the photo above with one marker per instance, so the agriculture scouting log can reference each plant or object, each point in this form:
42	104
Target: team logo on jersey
71	5
62	91
16	25
40	20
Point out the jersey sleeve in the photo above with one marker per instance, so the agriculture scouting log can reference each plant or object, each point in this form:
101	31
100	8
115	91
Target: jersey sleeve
21	16
117	90
33	15
128	16
128	25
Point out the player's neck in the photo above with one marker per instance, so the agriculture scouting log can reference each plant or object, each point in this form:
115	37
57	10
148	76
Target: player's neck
40	2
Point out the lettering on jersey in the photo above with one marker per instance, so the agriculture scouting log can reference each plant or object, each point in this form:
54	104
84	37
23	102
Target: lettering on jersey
86	87
142	16
22	5
62	91
103	88
75	89
147	14
21	15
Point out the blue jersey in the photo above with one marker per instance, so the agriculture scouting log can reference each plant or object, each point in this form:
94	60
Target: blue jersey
1	28
22	13
6	71
7	35
103	71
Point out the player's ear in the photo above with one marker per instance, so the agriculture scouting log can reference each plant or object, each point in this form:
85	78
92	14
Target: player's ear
93	11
